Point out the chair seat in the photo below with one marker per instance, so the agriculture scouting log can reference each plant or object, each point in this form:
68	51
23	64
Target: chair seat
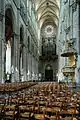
25	114
10	106
72	111
48	109
10	113
39	116
51	117
42	108
67	118
36	108
75	119
56	109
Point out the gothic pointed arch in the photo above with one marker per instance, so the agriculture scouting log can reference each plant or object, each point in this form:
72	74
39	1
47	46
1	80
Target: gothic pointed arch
9	43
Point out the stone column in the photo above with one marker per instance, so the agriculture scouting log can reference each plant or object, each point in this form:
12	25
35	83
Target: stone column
2	39
16	39
36	69
77	35
15	61
31	68
24	62
26	66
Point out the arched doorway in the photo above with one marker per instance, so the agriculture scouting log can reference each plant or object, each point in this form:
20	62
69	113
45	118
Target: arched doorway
21	54
48	73
9	44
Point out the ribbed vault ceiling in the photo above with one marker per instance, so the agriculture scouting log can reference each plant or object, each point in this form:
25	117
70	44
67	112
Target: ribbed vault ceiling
47	11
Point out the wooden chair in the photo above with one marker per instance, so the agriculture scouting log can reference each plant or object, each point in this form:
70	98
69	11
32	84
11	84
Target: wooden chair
24	113
10	112
39	117
53	117
1	111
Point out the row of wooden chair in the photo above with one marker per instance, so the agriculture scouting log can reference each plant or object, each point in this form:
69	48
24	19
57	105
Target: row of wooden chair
11	87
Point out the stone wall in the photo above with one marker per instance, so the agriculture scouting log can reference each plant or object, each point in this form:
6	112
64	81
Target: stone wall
20	19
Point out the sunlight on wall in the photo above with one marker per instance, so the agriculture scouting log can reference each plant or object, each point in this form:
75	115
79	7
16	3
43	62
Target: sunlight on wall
8	59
